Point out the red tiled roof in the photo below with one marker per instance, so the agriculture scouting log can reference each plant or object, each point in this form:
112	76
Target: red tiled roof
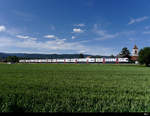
134	58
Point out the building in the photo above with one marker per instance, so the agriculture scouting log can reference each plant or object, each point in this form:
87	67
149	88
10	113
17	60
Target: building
134	56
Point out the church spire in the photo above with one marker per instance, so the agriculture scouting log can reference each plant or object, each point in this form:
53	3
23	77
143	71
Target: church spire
135	51
135	47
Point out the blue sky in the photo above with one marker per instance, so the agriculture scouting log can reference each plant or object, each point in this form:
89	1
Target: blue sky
98	27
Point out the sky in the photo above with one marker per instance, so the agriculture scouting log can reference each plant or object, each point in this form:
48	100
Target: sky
96	27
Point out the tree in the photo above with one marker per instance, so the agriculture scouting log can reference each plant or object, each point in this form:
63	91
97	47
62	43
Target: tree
97	56
81	56
125	53
144	56
112	56
12	59
9	59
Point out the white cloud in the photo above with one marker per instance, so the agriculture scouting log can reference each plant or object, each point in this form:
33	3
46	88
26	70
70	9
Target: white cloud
101	50
2	28
78	30
10	31
79	25
13	31
104	35
22	37
50	46
64	39
146	32
5	41
30	43
26	37
147	27
137	20
73	37
127	33
50	36
33	38
84	41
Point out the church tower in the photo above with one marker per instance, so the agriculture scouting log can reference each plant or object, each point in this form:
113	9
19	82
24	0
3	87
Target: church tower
135	51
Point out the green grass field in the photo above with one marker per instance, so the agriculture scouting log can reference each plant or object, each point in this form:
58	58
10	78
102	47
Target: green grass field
74	88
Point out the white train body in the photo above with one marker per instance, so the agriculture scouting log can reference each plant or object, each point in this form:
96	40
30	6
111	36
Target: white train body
77	60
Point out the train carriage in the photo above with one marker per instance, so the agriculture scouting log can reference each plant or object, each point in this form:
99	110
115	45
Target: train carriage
60	60
99	60
67	60
90	60
123	60
110	59
78	60
81	60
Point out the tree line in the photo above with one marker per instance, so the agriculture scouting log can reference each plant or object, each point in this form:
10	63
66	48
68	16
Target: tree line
13	59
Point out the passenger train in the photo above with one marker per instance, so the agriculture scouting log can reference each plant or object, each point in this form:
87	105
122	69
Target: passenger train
77	60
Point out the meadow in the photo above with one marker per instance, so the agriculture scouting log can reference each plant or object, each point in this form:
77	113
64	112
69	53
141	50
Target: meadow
74	88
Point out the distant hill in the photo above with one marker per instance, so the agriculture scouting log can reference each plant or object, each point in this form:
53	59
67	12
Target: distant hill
45	56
